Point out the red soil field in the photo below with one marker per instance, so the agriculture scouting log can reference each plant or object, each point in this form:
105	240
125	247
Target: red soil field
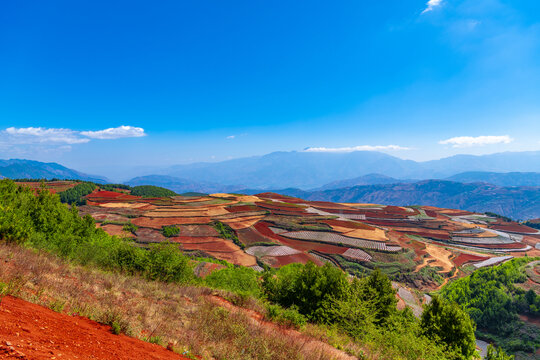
278	261
117	230
269	195
241	208
278	206
145	235
30	331
431	213
514	228
249	236
309	245
158	223
465	258
198	230
263	228
196	239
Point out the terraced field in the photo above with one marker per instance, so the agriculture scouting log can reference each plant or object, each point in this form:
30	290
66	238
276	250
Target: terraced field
277	230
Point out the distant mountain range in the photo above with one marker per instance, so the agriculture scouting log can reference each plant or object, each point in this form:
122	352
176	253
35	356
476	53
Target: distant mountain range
518	203
29	169
309	170
351	177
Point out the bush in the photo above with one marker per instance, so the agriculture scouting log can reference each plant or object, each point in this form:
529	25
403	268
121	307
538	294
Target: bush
240	280
151	191
288	317
170	231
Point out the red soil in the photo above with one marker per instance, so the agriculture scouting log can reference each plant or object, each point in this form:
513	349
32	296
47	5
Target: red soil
249	236
514	228
241	208
262	227
30	331
278	261
465	258
158	223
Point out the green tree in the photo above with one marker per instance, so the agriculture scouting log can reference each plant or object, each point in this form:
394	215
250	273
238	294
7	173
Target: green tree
381	294
446	323
497	354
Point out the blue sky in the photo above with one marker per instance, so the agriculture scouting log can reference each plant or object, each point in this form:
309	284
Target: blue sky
104	86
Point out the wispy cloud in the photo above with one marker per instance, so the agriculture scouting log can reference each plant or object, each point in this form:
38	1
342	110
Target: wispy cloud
39	135
431	5
356	148
61	137
468	141
230	137
115	133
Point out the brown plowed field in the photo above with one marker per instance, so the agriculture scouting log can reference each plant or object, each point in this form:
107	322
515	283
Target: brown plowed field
158	223
197	230
29	331
465	258
250	236
278	261
514	228
242	223
117	230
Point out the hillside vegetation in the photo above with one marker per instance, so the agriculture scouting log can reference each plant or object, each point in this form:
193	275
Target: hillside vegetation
490	297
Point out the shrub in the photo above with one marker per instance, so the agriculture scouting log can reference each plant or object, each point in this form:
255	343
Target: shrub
151	191
170	231
241	280
288	317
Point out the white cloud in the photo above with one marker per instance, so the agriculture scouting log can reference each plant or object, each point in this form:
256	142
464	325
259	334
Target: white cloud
39	139
431	5
39	135
115	133
356	148
468	141
230	137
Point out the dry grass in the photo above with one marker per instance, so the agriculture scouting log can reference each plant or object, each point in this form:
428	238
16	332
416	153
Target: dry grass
182	316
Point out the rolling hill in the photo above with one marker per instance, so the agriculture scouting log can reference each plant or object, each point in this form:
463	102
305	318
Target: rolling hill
500	179
514	202
29	169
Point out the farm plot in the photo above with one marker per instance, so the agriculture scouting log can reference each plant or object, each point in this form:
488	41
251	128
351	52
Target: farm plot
498	240
356	254
492	261
333	238
278	261
515	228
438	256
116	230
464	258
197	230
260	251
242	222
249	236
372	233
158	223
147	236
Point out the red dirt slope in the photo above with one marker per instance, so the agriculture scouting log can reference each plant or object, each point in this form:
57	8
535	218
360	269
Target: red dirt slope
29	331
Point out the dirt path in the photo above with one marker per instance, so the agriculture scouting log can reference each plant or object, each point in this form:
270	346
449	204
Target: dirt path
29	331
310	343
441	256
